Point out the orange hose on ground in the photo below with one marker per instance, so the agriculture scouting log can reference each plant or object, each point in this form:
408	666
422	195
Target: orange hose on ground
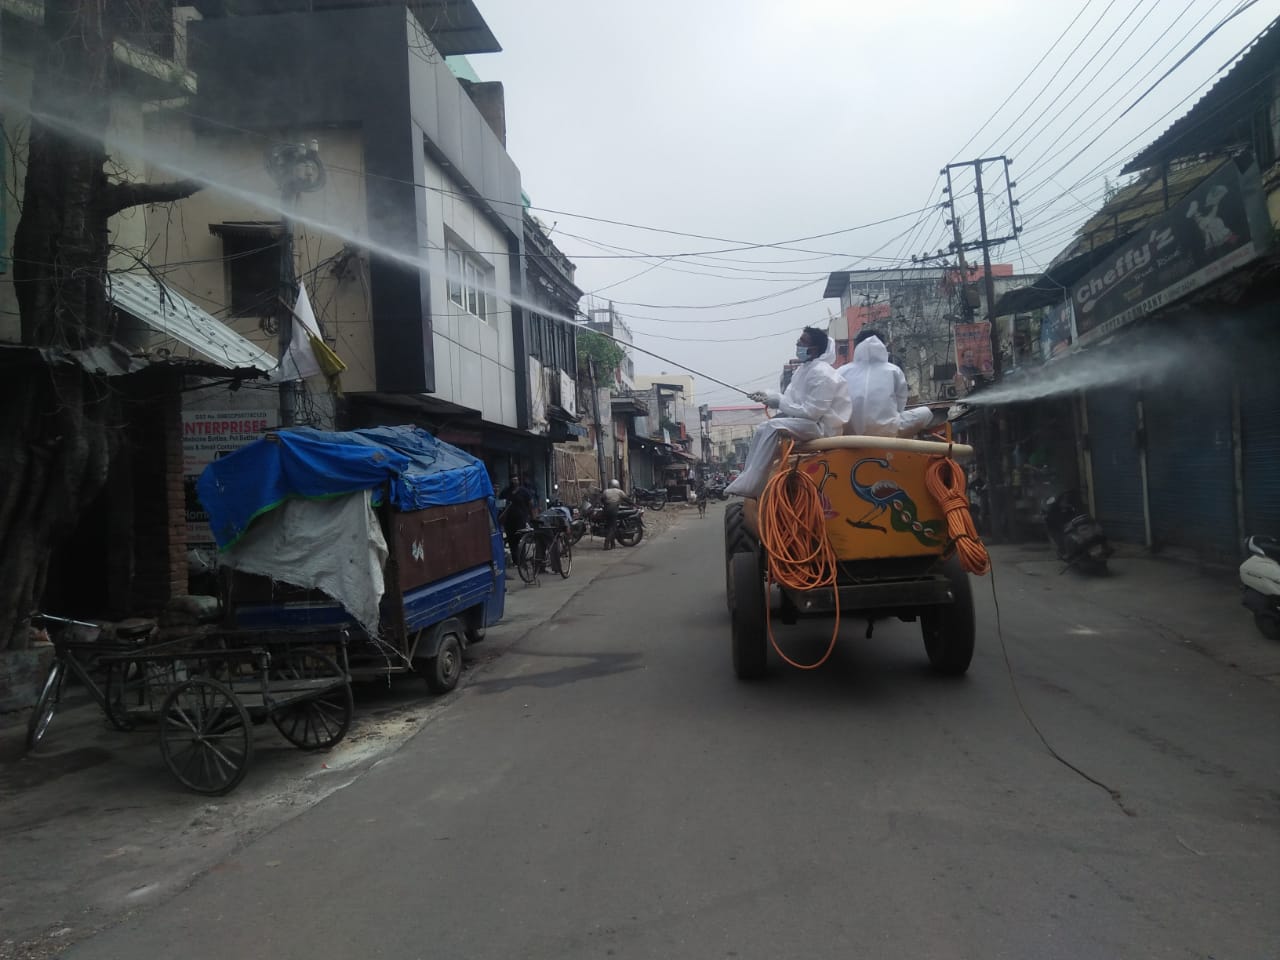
793	530
946	484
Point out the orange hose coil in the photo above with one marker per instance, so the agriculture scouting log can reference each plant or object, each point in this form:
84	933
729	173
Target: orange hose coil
793	530
946	484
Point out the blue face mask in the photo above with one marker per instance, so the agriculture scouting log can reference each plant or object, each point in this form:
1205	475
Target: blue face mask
802	354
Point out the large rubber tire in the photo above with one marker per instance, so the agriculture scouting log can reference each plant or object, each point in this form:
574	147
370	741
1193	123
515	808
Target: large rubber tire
749	630
46	705
737	539
949	630
444	670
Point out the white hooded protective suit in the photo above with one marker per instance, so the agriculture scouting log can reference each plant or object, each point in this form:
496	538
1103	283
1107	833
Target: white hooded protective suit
815	405
878	393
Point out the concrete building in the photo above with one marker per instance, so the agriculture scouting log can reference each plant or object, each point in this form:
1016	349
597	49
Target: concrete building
730	431
411	244
129	553
917	309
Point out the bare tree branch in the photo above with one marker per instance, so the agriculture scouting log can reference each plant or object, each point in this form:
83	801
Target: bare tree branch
122	196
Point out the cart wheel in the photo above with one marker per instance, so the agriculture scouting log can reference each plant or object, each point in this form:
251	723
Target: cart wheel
46	705
527	558
205	737
561	556
750	635
444	670
313	721
949	630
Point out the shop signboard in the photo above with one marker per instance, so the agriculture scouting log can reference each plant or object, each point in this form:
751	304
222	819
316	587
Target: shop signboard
1055	330
208	435
1218	227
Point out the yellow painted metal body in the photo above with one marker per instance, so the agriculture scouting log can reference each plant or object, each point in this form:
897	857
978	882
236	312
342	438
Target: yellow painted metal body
875	498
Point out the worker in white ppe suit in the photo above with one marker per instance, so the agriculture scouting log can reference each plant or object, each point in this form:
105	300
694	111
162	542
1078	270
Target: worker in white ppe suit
816	404
878	392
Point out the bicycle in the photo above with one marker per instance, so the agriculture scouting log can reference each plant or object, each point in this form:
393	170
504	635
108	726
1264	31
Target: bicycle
81	657
541	548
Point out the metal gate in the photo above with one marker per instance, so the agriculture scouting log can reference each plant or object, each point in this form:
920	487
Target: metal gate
1260	443
1191	467
1117	471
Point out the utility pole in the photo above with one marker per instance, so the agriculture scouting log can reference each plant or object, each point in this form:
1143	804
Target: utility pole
994	454
986	267
985	241
595	412
296	169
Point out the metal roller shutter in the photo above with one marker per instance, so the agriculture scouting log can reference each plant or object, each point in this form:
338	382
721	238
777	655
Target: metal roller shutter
1117	474
1191	468
1260	442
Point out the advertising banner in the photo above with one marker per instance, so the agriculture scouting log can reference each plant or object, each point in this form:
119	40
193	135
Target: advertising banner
1220	226
206	436
973	350
1055	330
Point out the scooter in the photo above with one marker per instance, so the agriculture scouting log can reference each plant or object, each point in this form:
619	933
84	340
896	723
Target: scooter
1076	536
1260	582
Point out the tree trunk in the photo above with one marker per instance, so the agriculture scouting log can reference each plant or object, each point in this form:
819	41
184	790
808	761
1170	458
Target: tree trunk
56	421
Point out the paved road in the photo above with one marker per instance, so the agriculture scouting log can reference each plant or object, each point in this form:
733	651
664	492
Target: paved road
607	789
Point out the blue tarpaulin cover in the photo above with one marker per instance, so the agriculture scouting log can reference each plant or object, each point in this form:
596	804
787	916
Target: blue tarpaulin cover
414	468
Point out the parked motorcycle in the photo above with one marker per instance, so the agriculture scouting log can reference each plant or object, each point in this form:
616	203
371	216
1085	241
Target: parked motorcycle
1077	537
1260	582
654	499
717	490
630	529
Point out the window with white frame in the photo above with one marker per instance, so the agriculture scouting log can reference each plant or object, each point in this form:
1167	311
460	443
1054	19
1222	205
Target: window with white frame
470	279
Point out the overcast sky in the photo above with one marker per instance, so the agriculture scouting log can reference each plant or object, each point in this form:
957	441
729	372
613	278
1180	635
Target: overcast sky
760	121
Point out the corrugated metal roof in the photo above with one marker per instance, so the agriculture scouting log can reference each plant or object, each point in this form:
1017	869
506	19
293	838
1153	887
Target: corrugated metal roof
173	315
1201	129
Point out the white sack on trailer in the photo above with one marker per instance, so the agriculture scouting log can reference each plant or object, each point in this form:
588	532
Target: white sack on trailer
333	545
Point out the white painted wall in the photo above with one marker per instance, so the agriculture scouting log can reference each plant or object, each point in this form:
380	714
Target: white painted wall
475	359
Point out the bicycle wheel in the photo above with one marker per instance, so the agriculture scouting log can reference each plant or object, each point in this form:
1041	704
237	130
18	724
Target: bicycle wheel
562	556
46	704
527	558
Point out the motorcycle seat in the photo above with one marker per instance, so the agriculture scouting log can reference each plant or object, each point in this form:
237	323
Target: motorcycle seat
1266	546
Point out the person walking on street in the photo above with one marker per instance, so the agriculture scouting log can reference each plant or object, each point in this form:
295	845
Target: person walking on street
613	498
518	512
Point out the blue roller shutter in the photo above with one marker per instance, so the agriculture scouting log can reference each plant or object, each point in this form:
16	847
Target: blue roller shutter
1117	473
1191	468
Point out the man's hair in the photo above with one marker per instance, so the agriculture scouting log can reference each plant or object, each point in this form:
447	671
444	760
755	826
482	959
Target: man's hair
817	339
867	334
